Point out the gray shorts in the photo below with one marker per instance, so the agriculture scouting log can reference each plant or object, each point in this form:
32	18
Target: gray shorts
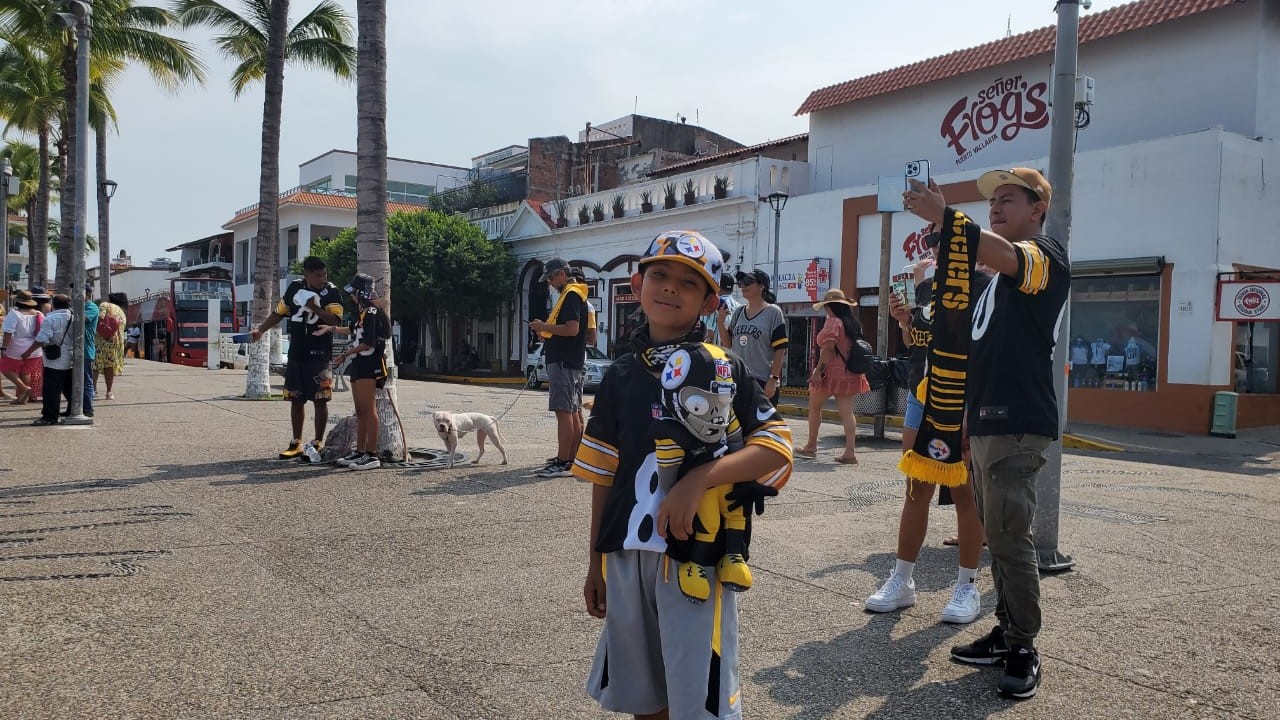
658	649
566	388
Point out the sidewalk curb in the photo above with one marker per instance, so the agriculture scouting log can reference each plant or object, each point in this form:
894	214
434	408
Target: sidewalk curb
1080	442
465	380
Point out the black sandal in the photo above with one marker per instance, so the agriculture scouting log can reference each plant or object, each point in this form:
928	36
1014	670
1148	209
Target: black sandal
44	421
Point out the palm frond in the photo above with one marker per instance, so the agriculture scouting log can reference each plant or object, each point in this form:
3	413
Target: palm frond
325	54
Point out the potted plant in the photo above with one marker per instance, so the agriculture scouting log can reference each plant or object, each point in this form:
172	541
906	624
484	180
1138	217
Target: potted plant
721	188
584	215
669	195
597	211
562	207
646	201
618	207
690	192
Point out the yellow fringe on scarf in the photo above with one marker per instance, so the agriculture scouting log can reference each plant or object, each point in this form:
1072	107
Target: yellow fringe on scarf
926	469
578	289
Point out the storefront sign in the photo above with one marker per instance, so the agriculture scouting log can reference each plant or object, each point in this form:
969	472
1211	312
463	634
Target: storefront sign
622	294
801	281
1000	112
1249	301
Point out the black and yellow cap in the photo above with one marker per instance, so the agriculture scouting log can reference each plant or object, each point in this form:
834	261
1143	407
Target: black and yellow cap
690	248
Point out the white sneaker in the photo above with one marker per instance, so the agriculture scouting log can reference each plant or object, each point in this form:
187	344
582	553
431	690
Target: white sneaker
368	462
965	605
895	594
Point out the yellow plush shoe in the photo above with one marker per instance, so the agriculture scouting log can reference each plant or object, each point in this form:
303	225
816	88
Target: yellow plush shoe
694	583
292	452
734	572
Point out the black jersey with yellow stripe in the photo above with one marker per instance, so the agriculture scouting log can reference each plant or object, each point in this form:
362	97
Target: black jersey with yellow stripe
1016	320
618	449
295	306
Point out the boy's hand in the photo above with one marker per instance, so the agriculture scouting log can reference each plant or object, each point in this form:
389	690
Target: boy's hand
593	589
926	202
678	508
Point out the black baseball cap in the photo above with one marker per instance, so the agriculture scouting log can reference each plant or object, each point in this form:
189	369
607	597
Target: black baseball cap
552	265
756	276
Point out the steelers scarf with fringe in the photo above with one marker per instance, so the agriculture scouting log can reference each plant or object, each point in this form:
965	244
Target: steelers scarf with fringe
654	355
576	288
935	457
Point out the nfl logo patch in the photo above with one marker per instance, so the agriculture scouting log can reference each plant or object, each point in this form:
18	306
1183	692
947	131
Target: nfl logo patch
655	410
723	370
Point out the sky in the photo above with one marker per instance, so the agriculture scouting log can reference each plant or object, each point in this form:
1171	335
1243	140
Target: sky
465	78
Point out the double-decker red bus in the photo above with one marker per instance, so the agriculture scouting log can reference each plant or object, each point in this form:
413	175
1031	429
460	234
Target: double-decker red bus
175	324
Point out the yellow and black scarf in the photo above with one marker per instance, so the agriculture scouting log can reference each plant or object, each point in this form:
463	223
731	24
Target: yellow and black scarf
578	289
935	457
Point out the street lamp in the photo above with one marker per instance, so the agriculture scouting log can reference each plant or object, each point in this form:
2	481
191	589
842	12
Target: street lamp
106	188
777	201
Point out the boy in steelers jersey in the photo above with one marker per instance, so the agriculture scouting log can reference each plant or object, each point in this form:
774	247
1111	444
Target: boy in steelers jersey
661	656
308	304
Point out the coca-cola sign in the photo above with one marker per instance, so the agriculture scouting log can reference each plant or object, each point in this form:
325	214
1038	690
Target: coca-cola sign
1001	111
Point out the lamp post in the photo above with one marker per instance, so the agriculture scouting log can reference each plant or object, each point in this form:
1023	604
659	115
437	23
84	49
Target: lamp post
106	189
79	15
777	201
6	172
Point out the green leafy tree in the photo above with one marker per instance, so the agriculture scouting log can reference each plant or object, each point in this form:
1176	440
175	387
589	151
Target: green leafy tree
262	42
439	264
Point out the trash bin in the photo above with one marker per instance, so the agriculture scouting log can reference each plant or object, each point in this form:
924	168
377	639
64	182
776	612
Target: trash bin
1224	414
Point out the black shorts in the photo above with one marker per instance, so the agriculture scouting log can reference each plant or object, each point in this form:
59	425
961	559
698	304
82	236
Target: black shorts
308	379
371	367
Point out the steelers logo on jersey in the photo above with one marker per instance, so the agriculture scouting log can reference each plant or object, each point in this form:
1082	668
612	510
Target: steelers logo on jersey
673	373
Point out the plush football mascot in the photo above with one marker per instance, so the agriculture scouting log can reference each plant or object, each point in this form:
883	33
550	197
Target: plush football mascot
698	425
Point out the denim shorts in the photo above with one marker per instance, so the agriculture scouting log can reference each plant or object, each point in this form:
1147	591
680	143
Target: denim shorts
915	413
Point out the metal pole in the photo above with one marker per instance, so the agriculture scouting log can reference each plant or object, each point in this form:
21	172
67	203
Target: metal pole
882	304
75	410
1061	176
777	226
5	170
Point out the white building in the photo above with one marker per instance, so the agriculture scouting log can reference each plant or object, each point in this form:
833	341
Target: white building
1169	194
323	205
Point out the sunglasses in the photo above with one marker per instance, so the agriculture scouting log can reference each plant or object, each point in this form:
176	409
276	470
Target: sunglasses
746	282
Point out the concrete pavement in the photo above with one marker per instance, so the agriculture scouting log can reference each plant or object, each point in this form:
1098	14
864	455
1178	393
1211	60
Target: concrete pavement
162	565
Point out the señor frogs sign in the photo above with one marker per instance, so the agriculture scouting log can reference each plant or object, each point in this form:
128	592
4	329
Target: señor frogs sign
1000	111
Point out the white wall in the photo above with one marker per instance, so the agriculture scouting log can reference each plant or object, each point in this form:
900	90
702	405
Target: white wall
1151	83
338	164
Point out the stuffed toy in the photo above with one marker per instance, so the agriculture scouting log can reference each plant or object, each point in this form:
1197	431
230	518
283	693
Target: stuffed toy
697	426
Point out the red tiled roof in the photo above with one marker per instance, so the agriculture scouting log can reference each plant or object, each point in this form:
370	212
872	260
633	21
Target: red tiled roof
1125	18
302	197
733	153
541	209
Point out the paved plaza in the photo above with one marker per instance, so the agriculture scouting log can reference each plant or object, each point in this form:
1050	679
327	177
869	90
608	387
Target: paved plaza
162	564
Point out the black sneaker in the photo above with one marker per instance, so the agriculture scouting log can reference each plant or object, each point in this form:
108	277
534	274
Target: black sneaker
987	650
346	460
1021	673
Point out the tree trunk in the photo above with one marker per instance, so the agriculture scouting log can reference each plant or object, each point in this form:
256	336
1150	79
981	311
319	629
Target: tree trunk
266	286
67	192
39	241
372	253
104	216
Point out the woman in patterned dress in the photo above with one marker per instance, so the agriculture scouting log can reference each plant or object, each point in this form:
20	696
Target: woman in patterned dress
831	377
110	356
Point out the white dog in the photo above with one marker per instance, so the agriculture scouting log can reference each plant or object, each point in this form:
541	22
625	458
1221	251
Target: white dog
451	426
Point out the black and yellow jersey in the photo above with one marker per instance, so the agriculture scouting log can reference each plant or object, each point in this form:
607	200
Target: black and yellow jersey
295	306
618	449
1015	326
372	328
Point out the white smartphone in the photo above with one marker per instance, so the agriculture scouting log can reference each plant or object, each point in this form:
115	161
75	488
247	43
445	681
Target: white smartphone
917	170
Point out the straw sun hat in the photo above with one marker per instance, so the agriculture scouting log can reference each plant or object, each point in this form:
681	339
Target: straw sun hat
834	295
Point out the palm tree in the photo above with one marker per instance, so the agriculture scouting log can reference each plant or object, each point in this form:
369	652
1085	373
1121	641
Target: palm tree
372	254
31	100
262	42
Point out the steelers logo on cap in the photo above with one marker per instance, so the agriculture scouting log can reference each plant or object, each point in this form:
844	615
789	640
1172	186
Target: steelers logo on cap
691	246
677	367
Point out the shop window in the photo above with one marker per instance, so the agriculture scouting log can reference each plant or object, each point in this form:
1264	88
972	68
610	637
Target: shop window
1114	336
1257	356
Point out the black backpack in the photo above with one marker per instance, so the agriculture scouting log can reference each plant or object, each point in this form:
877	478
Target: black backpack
862	360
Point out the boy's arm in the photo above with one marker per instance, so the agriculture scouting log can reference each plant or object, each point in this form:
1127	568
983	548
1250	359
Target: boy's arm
593	590
675	515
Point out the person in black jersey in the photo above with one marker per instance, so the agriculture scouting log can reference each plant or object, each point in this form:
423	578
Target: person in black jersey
1010	405
368	369
307	304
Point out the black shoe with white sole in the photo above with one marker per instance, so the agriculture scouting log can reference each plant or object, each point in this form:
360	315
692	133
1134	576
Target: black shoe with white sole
1021	673
989	649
